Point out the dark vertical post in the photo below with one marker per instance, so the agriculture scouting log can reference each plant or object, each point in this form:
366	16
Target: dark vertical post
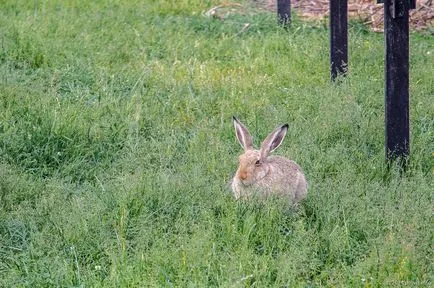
284	11
338	37
397	78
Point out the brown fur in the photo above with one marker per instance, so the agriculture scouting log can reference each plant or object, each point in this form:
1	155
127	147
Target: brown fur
263	175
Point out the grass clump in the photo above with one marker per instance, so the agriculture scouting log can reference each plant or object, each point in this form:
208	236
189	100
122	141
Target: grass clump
117	148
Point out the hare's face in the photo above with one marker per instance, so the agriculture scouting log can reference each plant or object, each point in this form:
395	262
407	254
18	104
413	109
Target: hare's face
251	167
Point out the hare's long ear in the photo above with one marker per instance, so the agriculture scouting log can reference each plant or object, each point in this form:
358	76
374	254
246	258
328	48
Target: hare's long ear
273	141
243	134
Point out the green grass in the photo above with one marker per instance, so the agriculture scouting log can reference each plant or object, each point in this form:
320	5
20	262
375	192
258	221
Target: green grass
117	147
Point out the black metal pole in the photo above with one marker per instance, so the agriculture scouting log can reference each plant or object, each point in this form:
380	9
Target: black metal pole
397	78
284	11
338	37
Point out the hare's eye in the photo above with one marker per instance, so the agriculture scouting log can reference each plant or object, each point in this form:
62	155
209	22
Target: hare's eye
258	163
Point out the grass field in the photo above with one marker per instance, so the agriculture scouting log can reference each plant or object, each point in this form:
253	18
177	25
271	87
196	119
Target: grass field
117	147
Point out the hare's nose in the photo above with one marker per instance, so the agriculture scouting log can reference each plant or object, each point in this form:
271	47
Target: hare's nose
243	175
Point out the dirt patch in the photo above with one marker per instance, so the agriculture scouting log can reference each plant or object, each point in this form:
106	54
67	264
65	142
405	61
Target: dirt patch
367	11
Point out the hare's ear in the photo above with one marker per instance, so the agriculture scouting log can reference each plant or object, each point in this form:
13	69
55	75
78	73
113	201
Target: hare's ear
243	134
273	140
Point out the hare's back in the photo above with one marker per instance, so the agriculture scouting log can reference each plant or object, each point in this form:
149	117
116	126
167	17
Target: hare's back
285	165
289	176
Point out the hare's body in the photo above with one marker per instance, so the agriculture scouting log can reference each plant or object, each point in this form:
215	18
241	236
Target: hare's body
284	178
261	175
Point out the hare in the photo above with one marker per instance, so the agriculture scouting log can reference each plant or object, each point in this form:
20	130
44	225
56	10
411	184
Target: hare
263	174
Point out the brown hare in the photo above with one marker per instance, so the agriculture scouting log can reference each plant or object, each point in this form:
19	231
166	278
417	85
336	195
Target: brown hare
263	175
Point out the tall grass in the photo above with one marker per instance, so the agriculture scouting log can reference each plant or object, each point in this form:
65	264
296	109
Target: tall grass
117	149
